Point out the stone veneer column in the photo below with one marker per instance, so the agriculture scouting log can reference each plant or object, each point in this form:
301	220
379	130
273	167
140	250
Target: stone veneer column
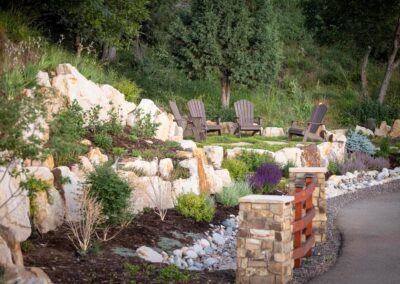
319	197
265	239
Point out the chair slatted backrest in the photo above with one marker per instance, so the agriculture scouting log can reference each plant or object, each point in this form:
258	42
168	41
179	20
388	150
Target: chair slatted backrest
245	112
175	111
318	116
196	109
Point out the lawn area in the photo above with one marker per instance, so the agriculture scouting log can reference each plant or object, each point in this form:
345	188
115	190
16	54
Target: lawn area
229	141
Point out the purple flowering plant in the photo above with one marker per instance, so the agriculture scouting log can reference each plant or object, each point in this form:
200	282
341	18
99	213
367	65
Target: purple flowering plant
266	177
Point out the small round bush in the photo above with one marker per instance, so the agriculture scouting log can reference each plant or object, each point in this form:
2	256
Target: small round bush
359	143
266	177
237	169
112	191
129	89
104	141
196	207
229	196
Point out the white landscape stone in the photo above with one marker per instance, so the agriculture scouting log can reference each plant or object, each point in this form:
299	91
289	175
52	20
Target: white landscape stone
149	254
148	168
215	154
273	132
96	157
188	145
290	154
49	213
364	130
165	168
15	213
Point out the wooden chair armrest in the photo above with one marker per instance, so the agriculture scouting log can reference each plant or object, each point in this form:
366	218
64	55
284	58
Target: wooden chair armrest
217	119
314	123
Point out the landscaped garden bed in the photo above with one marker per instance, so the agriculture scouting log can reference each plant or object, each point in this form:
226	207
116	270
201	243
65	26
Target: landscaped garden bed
107	262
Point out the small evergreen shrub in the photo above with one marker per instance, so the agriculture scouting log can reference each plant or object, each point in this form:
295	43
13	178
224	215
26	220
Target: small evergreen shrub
359	143
172	274
197	207
237	168
112	191
229	196
265	178
254	160
104	141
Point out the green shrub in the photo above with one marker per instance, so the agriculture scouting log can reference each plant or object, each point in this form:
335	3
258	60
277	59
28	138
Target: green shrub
104	141
179	172
33	185
285	168
254	160
144	126
196	207
333	167
131	269
118	151
111	191
172	274
359	143
237	169
230	195
135	153
384	147
66	131
148	155
129	89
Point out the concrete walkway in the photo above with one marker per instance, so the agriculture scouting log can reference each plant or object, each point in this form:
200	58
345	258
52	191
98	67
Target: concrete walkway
371	243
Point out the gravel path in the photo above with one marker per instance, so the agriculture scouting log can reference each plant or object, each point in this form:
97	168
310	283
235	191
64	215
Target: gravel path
325	254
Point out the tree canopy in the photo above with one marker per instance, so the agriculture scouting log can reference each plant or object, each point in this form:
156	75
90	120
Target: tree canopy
235	40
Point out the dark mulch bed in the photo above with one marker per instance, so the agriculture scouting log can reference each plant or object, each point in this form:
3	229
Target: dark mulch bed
55	254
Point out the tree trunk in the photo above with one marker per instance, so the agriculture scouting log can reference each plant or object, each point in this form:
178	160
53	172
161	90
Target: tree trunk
225	91
391	65
109	53
364	80
78	45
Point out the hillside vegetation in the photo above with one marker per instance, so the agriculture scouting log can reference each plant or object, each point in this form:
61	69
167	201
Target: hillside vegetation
310	71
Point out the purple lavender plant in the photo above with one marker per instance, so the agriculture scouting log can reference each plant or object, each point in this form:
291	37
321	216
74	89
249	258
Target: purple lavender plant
267	175
359	161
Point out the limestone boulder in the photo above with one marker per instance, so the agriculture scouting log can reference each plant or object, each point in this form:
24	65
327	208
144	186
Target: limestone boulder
20	274
43	79
150	192
331	151
189	185
146	167
183	155
49	212
217	179
188	145
273	132
5	254
165	168
364	131
310	157
383	130
290	154
395	132
149	254
48	163
14	221
70	187
229	127
117	99
215	154
41	173
85	165
96	157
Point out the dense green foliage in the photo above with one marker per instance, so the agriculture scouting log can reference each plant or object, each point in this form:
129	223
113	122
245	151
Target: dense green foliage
112	191
233	40
33	185
254	160
237	169
197	207
144	126
229	196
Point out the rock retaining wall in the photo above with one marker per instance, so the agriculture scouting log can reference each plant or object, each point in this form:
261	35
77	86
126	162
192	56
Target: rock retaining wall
265	239
319	197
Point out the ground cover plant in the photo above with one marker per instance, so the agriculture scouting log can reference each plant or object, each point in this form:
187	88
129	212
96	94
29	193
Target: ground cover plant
229	196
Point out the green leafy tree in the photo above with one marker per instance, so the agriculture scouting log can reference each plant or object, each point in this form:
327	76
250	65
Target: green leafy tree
232	39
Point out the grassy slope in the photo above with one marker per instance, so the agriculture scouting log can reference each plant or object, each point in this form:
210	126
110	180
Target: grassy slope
309	74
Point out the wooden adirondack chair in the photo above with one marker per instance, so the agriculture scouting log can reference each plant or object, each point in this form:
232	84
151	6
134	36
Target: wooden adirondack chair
197	115
180	120
314	129
245	117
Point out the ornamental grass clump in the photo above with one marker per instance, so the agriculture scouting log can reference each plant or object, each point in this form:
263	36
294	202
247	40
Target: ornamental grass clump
265	178
229	196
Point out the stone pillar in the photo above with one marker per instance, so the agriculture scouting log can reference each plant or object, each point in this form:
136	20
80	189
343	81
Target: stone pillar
319	197
265	239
